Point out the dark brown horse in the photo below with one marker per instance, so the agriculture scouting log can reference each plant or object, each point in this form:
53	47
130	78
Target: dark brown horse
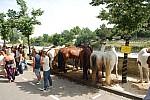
85	59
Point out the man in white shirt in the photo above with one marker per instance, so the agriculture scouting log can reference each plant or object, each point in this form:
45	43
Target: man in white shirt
46	70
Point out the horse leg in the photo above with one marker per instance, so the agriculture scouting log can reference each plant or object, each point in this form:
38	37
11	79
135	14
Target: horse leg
76	63
94	71
108	73
51	65
116	70
147	74
97	76
64	67
141	73
103	70
84	73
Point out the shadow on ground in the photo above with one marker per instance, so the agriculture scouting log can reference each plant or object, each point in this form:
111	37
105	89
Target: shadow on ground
61	88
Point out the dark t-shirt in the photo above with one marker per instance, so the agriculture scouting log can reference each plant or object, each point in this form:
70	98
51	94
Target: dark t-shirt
37	61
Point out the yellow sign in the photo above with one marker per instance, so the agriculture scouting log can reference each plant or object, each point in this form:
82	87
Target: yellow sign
126	49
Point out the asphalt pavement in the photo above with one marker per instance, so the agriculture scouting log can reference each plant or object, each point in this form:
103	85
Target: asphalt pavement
25	88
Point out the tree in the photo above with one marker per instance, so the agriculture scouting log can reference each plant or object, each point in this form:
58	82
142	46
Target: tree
57	39
27	21
128	16
103	32
68	37
86	35
12	19
4	27
45	37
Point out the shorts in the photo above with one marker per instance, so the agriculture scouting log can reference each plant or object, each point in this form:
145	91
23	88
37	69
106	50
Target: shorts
37	72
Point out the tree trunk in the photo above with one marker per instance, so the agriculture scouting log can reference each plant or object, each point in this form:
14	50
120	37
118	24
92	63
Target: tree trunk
124	68
4	42
29	47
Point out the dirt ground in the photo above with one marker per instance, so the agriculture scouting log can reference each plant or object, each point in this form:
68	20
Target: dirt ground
131	87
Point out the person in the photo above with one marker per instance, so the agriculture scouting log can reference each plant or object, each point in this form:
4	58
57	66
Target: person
36	66
9	65
25	58
20	69
46	71
147	97
16	55
2	62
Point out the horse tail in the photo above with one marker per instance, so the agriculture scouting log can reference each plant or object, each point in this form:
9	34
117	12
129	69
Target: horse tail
60	59
103	67
94	61
85	65
94	69
108	70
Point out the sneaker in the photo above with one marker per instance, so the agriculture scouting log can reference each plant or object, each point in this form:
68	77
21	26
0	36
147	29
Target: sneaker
38	82
44	90
50	87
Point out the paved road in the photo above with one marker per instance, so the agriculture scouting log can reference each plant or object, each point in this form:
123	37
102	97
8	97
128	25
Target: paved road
25	88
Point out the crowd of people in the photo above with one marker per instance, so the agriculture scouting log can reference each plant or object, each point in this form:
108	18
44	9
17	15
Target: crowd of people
11	59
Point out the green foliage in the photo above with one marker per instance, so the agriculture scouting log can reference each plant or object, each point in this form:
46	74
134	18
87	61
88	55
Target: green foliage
26	23
103	32
56	40
45	37
5	30
86	35
127	15
4	27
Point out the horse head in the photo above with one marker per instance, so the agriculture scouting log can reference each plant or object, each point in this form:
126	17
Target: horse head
113	48
144	50
148	50
103	47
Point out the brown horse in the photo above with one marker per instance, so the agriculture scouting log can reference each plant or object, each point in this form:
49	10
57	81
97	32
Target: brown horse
85	59
65	53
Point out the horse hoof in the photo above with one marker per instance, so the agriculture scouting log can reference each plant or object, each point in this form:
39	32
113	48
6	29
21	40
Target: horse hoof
146	81
140	82
103	76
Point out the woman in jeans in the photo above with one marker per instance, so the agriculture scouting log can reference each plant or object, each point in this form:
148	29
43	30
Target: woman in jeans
46	70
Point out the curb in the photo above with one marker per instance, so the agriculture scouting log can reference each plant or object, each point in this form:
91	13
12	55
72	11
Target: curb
87	83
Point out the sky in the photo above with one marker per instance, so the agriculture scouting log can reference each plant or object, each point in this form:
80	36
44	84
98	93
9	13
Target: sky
59	15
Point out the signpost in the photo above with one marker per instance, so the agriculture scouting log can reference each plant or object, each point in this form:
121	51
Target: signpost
126	49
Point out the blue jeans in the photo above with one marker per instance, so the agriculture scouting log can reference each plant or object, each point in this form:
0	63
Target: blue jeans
147	97
47	78
20	69
26	65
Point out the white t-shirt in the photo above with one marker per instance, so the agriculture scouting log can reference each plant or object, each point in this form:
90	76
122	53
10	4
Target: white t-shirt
46	63
1	60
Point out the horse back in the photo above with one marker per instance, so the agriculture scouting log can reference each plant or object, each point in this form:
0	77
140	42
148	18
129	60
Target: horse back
143	58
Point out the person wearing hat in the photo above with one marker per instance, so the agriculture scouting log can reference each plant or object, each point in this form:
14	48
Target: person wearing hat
9	65
46	70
